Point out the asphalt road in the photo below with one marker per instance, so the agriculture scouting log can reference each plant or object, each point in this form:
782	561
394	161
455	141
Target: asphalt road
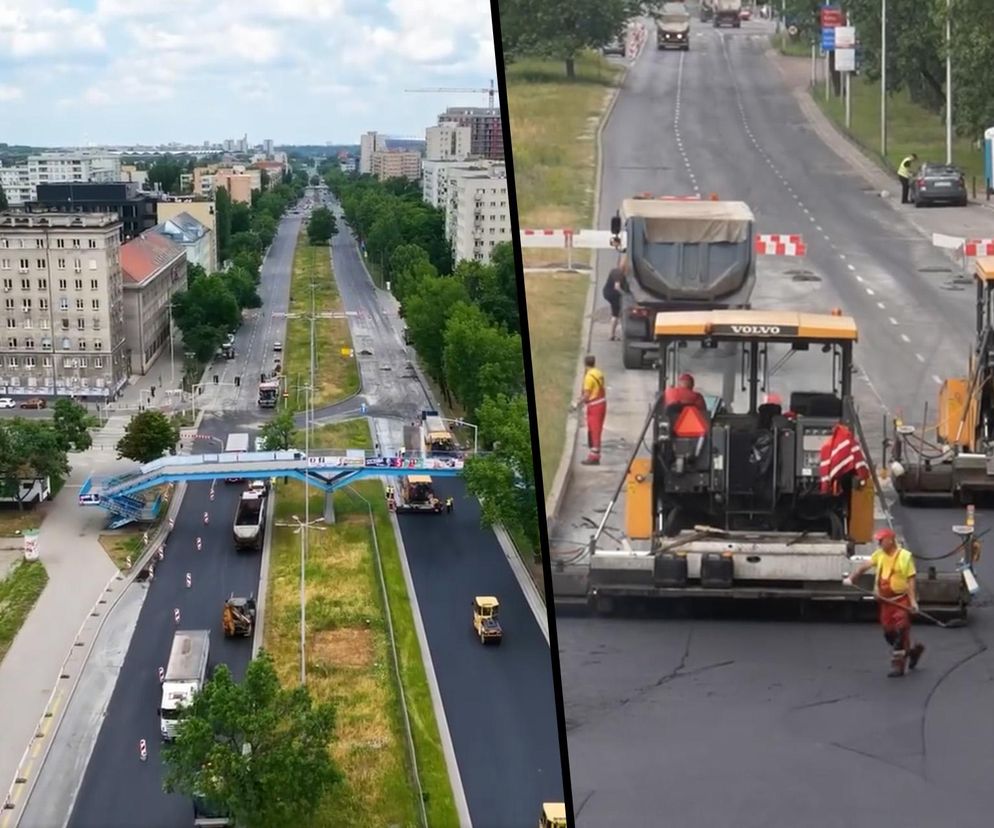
117	789
498	700
761	719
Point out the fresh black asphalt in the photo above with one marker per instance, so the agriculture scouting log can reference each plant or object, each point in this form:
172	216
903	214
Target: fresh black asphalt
755	718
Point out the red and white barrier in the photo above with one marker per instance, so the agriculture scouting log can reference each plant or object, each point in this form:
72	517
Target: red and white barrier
142	750
775	244
200	544
172	524
189	580
176	615
207	518
151	572
978	247
545	238
636	40
161	554
127	562
162	675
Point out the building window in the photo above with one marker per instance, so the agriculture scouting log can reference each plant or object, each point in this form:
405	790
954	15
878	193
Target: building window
77	265
26	306
96	304
24	264
40	264
12	362
76	243
11	323
29	362
98	344
65	324
60	243
94	284
82	344
46	362
29	343
93	264
79	304
63	284
61	264
8	304
25	284
43	284
8	284
63	303
96	323
81	324
43	304
4	264
40	243
93	244
79	284
98	362
12	342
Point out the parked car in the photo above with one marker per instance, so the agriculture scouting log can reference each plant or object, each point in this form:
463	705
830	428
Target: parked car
745	14
938	184
35	403
277	346
616	46
7	402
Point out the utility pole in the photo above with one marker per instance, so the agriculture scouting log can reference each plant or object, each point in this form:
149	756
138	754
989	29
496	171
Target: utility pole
949	83
883	78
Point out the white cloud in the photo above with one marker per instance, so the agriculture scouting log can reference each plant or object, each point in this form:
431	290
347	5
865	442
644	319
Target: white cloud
44	28
10	93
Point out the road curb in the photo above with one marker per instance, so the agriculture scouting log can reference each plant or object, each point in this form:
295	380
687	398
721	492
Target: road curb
534	598
260	602
564	473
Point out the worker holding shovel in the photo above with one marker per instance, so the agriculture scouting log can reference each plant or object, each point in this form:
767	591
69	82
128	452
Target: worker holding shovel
895	591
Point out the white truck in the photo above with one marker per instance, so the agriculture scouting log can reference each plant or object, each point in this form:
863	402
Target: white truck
237	443
185	676
250	518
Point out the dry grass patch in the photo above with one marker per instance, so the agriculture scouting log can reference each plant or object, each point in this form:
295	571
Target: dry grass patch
349	647
14	523
122	544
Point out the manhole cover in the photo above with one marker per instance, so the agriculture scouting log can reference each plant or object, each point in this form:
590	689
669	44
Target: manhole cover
803	276
365	352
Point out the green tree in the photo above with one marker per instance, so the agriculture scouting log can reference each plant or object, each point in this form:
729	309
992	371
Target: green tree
148	436
493	287
321	226
426	313
264	226
504	480
280	433
166	172
194	272
72	425
207	302
241	218
222	210
245	242
257	749
30	449
409	266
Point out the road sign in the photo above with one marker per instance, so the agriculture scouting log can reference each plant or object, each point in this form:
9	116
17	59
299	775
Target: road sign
845	60
845	37
827	40
831	16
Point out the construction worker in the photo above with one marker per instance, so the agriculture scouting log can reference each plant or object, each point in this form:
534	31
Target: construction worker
897	597
683	393
594	397
448	505
904	173
615	285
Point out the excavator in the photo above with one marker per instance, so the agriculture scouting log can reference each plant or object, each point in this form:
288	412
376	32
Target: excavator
741	495
238	617
958	463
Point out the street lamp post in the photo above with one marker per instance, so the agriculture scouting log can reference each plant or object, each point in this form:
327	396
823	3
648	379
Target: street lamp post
883	78
949	84
303	529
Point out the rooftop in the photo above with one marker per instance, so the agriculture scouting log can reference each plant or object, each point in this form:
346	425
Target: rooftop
144	257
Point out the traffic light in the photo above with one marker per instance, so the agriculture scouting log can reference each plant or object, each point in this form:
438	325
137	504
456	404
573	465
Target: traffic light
215	379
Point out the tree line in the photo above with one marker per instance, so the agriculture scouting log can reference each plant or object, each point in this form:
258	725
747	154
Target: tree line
916	52
463	322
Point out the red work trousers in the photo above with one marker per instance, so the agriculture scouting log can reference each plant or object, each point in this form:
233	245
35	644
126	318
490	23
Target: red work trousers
596	412
896	620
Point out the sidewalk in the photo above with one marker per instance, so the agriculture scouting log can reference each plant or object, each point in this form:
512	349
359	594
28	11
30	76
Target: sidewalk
973	222
78	570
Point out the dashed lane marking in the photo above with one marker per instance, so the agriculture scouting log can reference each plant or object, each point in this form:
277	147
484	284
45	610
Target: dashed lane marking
893	321
905	338
919	357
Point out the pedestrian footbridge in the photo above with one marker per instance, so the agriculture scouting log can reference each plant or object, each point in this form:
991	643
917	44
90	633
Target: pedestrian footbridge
121	494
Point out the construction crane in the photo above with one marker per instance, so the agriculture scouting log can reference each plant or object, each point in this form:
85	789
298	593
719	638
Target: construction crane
489	92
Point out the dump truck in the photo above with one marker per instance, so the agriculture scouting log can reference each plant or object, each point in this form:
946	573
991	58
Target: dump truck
417	495
727	13
486	608
269	391
238	617
673	27
681	255
553	815
184	677
760	494
249	520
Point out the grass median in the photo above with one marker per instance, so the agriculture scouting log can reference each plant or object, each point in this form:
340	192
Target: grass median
553	127
791	46
18	593
349	661
910	128
336	375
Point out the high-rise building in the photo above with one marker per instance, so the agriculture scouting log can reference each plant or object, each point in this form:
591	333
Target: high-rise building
61	306
477	212
369	143
20	183
396	164
135	209
486	138
447	142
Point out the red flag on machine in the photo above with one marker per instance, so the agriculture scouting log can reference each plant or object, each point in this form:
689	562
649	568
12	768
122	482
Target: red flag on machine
841	455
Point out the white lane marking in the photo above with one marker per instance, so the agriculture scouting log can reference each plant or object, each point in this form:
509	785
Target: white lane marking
919	357
905	337
881	305
937	378
859	278
893	321
869	292
851	267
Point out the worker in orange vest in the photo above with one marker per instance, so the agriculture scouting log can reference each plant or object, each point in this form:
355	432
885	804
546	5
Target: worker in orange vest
683	393
594	397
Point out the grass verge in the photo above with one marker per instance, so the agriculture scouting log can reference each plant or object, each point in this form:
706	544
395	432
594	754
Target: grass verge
349	660
347	434
791	46
336	376
553	126
18	593
910	128
14	523
122	544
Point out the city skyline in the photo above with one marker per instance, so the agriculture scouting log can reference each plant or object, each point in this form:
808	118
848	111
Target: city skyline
103	72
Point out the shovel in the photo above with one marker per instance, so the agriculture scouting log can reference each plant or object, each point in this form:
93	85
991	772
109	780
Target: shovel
951	624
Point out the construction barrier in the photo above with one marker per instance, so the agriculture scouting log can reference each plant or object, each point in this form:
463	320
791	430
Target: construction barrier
142	749
978	247
200	544
162	675
189	580
774	244
176	615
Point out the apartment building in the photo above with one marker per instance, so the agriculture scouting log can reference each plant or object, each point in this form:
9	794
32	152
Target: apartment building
369	143
16	185
396	164
61	306
435	176
154	270
448	142
203	211
20	183
135	208
477	214
238	180
196	240
486	136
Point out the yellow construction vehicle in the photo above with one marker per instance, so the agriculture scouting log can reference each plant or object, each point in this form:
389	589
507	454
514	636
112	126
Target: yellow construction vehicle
553	815
742	496
238	617
486	608
416	494
958	462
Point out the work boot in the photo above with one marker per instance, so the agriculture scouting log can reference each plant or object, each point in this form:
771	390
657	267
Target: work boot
915	655
897	662
591	461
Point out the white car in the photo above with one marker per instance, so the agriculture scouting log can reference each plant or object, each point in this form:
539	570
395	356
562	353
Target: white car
277	346
7	402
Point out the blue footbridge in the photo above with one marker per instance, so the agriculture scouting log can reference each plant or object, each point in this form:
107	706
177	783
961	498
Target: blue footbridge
127	496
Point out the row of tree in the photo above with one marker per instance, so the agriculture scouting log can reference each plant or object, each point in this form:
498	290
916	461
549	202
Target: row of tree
464	324
32	449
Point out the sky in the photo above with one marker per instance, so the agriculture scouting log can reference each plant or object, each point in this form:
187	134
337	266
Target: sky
82	72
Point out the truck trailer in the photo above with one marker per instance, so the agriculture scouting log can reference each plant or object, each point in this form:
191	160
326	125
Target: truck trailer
727	13
681	255
249	519
184	677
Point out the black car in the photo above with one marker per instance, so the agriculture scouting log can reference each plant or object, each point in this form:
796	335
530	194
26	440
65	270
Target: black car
938	184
